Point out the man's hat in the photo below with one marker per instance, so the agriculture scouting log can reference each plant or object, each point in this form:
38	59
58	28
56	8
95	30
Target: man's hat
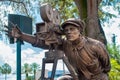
76	22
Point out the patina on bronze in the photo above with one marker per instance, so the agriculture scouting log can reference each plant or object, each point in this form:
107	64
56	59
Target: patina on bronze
48	36
86	58
49	31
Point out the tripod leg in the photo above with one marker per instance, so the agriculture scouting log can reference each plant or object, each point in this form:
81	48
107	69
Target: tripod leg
54	69
43	69
70	68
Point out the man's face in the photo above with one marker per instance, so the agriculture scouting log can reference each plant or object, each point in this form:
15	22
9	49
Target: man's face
71	32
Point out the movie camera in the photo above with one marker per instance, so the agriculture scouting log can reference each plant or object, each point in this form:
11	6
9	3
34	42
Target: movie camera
49	30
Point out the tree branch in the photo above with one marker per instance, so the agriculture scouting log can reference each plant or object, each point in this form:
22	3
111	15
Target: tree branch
19	2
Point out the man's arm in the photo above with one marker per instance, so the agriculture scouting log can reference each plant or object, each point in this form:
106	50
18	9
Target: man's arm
103	56
17	33
32	39
28	38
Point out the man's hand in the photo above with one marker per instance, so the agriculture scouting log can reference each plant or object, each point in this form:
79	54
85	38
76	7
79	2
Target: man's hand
15	32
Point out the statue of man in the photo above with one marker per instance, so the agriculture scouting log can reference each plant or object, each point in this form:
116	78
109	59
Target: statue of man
87	56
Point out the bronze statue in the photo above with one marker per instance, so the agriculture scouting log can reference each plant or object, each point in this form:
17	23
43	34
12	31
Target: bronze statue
88	57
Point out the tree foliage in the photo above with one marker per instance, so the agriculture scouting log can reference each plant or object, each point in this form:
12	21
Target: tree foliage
34	67
0	69
30	69
6	69
67	8
26	69
105	14
114	51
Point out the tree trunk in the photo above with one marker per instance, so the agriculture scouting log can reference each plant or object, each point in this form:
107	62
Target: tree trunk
26	75
89	13
81	5
5	76
34	74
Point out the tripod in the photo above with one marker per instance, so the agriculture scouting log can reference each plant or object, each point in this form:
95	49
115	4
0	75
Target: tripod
52	28
52	56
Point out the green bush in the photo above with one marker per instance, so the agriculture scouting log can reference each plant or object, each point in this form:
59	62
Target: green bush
30	78
114	51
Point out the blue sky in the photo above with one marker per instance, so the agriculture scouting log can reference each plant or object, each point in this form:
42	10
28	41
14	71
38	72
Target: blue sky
113	26
29	54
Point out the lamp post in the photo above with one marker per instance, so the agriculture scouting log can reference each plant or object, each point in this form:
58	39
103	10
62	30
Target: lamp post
25	25
18	56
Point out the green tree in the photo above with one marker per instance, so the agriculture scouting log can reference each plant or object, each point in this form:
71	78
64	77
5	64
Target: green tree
78	8
115	71
35	67
114	51
0	70
6	69
26	69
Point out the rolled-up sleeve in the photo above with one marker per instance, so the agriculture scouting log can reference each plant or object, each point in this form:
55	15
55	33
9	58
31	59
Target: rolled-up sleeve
40	43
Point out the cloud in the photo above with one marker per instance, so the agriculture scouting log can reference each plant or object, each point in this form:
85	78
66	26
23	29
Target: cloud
28	55
111	29
7	55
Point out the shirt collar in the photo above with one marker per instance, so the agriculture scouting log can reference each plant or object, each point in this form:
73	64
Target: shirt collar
78	43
